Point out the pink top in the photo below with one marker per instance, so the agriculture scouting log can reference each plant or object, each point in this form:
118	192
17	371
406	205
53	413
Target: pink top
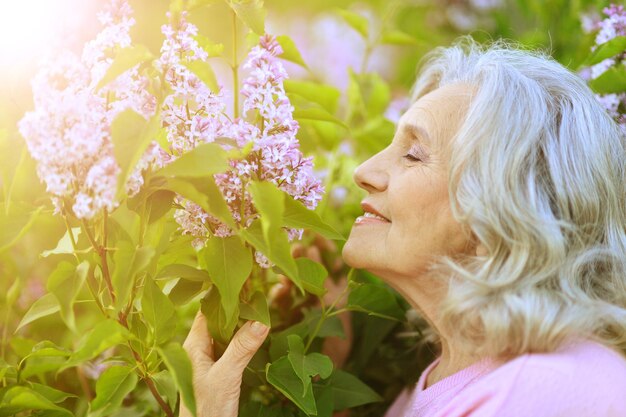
581	379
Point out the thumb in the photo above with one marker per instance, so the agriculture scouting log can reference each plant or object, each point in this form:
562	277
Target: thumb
244	345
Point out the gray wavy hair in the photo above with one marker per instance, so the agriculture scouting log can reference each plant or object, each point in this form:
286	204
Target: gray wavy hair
538	175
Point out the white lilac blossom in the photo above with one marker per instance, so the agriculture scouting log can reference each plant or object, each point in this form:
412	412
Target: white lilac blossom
610	27
68	132
275	155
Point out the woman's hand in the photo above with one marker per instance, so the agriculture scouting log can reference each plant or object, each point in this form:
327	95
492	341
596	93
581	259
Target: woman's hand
217	384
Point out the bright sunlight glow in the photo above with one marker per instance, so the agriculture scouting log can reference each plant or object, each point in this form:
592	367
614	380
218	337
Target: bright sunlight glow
29	28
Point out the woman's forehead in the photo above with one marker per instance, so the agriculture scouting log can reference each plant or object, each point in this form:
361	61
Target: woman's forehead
437	114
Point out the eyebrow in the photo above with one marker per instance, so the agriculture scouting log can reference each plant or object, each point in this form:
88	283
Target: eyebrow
416	130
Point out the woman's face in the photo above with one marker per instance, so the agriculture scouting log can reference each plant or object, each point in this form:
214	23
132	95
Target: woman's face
407	216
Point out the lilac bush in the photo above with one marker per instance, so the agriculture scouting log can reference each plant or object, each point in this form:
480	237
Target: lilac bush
68	132
609	30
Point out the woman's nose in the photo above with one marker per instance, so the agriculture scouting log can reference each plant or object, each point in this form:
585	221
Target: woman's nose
372	174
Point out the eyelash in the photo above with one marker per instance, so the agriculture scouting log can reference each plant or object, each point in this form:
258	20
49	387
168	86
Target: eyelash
413	158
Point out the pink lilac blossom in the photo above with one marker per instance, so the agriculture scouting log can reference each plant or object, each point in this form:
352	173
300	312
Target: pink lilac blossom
610	27
193	114
68	132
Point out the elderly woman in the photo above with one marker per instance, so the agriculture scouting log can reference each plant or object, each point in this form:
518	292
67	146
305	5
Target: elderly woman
498	212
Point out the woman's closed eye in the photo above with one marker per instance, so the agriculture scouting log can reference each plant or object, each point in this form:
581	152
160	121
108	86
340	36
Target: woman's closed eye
415	154
413	158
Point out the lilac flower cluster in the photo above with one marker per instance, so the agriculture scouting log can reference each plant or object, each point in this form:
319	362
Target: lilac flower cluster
193	114
612	26
68	132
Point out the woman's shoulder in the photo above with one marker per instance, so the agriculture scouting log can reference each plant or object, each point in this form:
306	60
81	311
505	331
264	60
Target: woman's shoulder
582	379
582	363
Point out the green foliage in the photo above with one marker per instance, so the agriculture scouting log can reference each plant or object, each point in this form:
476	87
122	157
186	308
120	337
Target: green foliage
204	160
606	50
127	283
611	81
204	71
178	364
124	60
307	366
229	264
356	21
111	388
64	283
15	220
251	12
256	309
158	311
131	134
290	50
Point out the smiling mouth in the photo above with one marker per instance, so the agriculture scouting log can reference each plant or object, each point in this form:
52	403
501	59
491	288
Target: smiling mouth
369	218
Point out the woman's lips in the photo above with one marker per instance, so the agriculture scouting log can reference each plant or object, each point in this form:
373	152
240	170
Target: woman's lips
370	218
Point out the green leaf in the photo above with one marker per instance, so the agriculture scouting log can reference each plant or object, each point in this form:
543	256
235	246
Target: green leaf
131	134
229	263
611	81
184	291
65	282
14	291
282	376
112	387
297	216
124	60
312	275
307	366
54	395
375	300
20	398
48	348
220	325
105	334
269	201
194	4
331	326
204	160
166	386
349	391
356	21
290	50
179	365
397	37
204	72
158	311
159	203
205	193
128	262
373	136
316	113
325	95
64	245
15	221
368	94
277	249
211	48
44	306
256	309
183	271
251	12
606	50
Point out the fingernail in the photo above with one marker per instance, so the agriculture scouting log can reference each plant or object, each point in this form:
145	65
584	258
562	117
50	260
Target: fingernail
258	328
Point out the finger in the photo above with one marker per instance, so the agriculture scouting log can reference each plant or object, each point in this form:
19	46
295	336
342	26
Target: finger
199	344
243	346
